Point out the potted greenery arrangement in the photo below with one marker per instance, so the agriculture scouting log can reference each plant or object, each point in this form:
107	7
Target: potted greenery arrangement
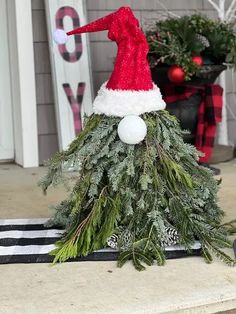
190	50
193	49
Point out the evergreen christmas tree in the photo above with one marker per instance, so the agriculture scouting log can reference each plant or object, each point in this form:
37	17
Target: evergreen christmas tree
139	187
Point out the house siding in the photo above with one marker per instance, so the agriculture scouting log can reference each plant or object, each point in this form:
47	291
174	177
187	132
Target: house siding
47	130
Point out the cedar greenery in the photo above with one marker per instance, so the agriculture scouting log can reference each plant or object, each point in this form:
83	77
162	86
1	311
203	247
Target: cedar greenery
140	189
176	40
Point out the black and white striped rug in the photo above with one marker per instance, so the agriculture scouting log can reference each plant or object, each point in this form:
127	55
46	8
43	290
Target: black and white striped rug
28	241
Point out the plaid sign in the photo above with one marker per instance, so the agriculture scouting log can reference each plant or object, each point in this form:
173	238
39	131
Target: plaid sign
70	69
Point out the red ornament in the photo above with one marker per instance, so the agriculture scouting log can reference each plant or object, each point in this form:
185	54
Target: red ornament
198	60
176	74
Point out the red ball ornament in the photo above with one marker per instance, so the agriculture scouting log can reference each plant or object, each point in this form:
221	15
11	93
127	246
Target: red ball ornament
198	60
176	74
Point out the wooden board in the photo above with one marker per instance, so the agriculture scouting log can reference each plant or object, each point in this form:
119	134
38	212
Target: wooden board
70	68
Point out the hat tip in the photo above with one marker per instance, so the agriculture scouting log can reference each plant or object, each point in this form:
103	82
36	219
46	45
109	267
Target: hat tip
125	8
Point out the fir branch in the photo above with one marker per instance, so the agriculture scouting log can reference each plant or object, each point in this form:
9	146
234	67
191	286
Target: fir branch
123	258
137	256
80	238
159	254
229	226
109	221
219	254
206	255
55	164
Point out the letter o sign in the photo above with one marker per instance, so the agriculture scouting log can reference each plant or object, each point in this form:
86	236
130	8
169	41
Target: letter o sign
76	54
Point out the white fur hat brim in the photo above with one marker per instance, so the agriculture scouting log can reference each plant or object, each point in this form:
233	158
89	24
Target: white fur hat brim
125	102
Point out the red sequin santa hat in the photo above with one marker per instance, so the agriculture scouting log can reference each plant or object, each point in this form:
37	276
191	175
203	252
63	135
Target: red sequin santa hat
130	89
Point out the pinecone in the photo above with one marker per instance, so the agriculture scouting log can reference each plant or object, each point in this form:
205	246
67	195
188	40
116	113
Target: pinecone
122	241
126	239
112	242
203	40
171	237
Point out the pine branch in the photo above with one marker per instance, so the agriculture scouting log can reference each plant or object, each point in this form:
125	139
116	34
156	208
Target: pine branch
158	253
80	238
206	254
230	226
220	254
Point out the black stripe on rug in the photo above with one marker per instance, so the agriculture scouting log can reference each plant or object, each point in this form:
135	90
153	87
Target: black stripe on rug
27	227
27	241
96	257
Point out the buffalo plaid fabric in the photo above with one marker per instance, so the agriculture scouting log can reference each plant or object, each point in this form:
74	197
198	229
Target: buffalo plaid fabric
60	15
209	114
75	104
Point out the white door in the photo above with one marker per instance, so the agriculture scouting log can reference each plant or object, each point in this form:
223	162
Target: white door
6	121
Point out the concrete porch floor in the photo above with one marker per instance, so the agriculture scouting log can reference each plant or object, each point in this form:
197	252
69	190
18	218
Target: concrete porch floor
182	286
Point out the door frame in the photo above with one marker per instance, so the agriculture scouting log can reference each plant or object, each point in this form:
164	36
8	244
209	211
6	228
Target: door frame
23	82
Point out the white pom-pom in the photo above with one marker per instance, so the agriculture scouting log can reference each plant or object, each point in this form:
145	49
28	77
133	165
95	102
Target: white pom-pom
132	129
60	36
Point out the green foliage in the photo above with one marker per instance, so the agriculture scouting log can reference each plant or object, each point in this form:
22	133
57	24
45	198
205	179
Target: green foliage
221	37
137	257
230	226
206	255
176	40
231	56
64	159
138	191
143	251
91	232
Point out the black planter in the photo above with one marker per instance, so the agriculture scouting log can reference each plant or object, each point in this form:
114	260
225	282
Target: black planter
187	110
207	75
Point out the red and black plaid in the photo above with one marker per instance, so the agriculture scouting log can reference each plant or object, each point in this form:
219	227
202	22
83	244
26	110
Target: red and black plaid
75	104
209	113
60	15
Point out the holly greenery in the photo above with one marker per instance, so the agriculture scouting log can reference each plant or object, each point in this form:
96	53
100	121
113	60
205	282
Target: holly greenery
140	189
221	37
177	40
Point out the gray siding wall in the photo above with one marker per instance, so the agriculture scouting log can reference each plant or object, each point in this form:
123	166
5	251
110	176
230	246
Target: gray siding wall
231	105
47	131
103	53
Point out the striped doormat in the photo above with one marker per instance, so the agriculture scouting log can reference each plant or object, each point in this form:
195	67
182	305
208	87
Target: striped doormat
29	241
